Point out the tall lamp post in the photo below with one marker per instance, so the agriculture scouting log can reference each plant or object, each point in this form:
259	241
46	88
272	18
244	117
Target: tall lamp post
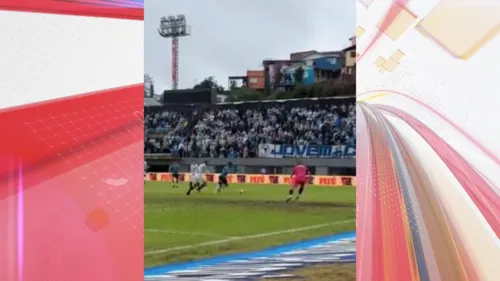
174	27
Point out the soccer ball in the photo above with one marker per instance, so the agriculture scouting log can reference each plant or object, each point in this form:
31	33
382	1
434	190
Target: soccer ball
241	191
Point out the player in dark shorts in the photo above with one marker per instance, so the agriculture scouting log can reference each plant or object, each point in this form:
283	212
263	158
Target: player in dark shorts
174	169
223	178
300	175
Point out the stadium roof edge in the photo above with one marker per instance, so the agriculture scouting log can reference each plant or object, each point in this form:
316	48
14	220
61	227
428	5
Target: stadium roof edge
188	90
274	101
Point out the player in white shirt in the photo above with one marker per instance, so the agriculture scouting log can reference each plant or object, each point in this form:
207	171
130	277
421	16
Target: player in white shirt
194	183
197	180
201	181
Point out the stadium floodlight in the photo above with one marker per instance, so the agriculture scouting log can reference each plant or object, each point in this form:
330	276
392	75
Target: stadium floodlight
174	27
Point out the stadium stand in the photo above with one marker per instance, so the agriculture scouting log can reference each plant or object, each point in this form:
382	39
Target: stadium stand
235	130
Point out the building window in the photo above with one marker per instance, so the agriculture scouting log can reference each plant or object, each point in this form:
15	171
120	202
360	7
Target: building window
253	80
353	54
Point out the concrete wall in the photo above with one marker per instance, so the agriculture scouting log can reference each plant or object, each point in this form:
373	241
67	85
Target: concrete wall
321	162
253	165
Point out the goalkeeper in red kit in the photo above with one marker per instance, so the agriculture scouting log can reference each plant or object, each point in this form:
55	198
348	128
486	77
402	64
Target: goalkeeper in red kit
299	178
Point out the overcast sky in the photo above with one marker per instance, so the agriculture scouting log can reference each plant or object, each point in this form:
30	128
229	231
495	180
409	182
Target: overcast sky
230	37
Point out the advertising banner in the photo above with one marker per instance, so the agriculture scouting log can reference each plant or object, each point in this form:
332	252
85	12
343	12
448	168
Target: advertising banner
276	74
306	151
260	179
328	63
289	75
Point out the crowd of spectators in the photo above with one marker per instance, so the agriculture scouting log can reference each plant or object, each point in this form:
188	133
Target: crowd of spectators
237	131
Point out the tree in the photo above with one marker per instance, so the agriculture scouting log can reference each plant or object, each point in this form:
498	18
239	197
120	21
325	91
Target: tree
152	90
298	75
302	91
282	95
245	94
337	88
209	83
148	85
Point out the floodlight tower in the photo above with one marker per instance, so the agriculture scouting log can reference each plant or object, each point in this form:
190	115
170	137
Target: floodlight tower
174	27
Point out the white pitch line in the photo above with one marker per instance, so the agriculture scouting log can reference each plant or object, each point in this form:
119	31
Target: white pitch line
155	252
187	233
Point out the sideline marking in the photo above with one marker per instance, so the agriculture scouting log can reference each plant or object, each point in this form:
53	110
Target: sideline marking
187	233
246	257
155	252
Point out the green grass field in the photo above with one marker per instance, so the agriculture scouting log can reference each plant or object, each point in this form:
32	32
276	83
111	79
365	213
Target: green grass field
182	228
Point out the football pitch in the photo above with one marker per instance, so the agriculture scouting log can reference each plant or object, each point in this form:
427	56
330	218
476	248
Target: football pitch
180	228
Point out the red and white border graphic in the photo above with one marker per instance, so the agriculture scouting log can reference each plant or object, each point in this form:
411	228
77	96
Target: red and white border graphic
428	187
71	151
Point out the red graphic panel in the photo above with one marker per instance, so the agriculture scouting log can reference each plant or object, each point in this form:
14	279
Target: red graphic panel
71	197
105	9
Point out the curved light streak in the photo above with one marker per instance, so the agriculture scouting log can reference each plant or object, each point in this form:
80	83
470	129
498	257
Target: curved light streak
20	223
